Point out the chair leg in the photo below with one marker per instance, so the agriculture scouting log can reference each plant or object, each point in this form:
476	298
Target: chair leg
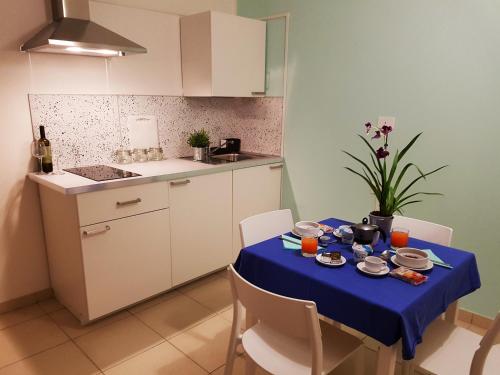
406	367
250	366
231	355
359	361
234	340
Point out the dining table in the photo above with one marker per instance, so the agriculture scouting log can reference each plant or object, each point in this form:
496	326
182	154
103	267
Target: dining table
391	311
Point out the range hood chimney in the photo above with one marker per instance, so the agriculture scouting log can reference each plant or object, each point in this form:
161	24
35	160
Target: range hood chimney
72	32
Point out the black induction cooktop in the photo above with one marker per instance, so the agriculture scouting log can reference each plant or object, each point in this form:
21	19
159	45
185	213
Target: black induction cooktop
101	173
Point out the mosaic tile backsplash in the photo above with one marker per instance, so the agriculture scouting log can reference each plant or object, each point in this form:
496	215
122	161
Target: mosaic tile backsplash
88	129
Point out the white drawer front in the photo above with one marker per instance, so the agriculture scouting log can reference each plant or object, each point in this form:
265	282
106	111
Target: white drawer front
126	261
100	206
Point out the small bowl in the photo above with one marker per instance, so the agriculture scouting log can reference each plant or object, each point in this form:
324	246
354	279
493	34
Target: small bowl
307	228
413	258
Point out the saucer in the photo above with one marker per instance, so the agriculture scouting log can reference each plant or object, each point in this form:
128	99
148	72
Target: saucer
318	234
326	228
382	272
337	231
328	264
427	268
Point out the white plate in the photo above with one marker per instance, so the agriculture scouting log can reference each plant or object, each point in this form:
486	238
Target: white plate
336	231
427	268
342	261
320	233
361	266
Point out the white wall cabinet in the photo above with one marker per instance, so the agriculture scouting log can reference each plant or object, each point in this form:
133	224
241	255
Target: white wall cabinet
222	55
255	190
201	222
125	261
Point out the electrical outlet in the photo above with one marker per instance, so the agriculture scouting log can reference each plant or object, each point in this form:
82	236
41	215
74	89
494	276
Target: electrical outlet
388	121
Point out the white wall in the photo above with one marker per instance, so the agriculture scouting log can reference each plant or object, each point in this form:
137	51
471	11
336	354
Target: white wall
23	266
156	73
182	7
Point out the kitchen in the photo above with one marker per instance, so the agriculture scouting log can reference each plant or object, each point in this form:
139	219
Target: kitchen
243	87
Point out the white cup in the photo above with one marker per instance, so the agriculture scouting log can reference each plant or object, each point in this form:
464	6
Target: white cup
374	264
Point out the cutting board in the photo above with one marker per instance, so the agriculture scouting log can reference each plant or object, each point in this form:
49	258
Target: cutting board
143	131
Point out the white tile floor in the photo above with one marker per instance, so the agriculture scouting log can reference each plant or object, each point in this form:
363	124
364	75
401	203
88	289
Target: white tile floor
181	332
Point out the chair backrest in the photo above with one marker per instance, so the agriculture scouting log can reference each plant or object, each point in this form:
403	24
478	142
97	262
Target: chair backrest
424	230
291	317
492	337
264	226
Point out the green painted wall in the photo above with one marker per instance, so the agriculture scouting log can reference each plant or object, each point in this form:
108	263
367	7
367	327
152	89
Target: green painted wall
275	56
435	66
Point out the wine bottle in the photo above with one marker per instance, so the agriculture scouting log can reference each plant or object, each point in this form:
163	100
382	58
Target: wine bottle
47	156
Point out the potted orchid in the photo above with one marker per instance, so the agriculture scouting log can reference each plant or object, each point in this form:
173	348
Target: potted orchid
388	180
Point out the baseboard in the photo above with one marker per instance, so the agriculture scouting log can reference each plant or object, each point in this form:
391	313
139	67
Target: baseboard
476	319
26	300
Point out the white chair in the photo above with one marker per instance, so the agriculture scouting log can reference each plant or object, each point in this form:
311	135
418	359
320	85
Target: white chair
448	349
424	230
288	338
264	226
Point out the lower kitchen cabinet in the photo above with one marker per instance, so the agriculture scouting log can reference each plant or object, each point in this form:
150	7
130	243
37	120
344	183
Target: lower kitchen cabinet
112	248
201	225
125	261
255	190
105	266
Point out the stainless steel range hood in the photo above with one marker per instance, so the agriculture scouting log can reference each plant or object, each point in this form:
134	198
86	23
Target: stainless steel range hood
71	32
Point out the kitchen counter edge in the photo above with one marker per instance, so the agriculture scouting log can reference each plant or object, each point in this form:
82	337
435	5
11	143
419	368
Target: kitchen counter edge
114	184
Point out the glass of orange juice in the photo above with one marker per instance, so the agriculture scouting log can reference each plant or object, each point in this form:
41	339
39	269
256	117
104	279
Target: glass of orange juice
309	246
399	237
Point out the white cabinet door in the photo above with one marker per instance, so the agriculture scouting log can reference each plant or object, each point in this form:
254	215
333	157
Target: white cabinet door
125	261
201	225
223	55
255	190
239	55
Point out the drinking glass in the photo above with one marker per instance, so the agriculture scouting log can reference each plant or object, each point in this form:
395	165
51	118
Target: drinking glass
38	151
399	237
57	170
309	246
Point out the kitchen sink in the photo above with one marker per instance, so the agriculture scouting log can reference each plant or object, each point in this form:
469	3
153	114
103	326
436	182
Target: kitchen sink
229	158
233	157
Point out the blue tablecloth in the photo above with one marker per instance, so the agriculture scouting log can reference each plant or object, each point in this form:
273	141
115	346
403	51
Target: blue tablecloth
384	308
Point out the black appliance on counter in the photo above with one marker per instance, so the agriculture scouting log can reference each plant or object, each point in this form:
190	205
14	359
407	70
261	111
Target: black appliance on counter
228	146
101	172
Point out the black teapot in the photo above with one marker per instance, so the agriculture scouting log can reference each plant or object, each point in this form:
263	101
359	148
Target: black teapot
364	233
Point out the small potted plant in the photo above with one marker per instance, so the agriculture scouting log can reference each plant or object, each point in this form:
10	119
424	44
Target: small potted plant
199	140
386	179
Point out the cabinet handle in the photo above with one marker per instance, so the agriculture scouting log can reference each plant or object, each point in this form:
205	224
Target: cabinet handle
88	233
276	166
127	203
258	93
177	183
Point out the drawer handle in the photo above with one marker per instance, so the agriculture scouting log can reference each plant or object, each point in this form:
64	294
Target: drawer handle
258	93
128	203
276	166
177	183
88	233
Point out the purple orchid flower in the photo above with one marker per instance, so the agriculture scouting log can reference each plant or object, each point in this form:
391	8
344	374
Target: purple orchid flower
382	153
386	129
368	126
376	135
